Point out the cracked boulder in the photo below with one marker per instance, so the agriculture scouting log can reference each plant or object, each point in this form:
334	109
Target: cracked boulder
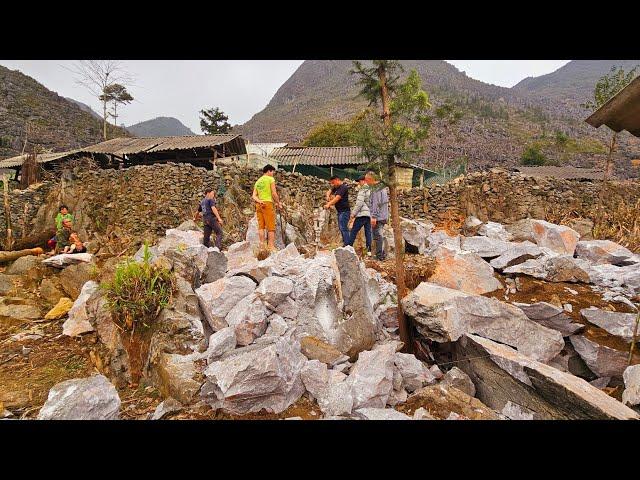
502	375
564	268
602	360
550	316
371	377
559	238
254	378
460	380
631	377
484	247
218	298
516	253
329	387
92	398
444	315
249	319
79	318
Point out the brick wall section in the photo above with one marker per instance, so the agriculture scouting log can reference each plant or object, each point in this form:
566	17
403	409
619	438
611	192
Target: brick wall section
146	200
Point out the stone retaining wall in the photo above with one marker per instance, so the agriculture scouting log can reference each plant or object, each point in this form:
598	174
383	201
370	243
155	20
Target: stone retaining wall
146	200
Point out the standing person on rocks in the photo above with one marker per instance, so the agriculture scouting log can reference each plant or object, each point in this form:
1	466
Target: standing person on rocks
379	209
265	194
338	196
211	218
361	216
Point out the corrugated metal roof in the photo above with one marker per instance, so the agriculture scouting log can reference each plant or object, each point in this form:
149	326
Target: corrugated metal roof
621	112
574	173
318	156
42	158
132	145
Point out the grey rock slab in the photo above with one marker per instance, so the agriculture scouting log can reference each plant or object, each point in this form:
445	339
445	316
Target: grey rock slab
256	377
601	360
501	374
65	259
22	265
616	323
550	316
79	319
216	266
371	377
494	230
631	393
164	408
329	387
249	319
92	398
603	251
513	411
220	342
219	297
240	254
274	290
380	414
444	315
485	247
516	253
413	372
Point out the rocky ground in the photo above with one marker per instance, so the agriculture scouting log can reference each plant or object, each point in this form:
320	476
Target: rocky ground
523	321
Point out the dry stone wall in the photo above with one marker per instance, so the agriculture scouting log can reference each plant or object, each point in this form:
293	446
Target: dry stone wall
146	200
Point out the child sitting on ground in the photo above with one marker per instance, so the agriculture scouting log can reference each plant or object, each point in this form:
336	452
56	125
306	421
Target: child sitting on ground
76	245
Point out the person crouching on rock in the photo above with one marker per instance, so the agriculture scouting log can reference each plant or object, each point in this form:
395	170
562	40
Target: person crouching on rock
63	237
63	214
211	218
265	194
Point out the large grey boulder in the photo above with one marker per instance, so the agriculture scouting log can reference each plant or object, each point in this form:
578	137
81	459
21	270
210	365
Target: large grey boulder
220	342
631	393
547	392
371	377
65	259
74	277
23	265
622	279
79	319
516	253
485	247
219	297
360	324
329	387
92	398
440	239
602	360
380	414
216	266
176	376
521	231
603	251
444	315
558	238
274	290
240	254
248	318
494	230
550	316
616	323
467	272
257	377
460	380
563	268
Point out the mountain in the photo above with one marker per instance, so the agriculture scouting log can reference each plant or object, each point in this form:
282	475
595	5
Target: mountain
159	127
54	123
497	125
572	83
85	107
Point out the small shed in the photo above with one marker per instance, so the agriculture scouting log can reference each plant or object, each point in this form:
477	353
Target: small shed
200	150
345	162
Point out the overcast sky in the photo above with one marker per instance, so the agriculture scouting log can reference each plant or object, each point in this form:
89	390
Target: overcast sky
240	88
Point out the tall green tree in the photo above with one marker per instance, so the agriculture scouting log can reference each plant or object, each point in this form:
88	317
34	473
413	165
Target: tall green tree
116	94
394	133
606	87
214	121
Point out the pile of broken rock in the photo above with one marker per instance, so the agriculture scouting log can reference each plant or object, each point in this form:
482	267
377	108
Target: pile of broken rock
247	335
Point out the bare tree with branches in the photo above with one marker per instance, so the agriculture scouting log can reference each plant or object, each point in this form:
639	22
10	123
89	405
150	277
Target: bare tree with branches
98	76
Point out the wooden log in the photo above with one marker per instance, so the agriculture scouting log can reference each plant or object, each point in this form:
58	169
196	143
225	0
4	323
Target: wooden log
11	256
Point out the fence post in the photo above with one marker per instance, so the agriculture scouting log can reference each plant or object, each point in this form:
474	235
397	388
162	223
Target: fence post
7	212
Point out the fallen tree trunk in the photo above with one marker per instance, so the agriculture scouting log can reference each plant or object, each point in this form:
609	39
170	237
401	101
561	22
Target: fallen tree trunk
11	256
33	241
